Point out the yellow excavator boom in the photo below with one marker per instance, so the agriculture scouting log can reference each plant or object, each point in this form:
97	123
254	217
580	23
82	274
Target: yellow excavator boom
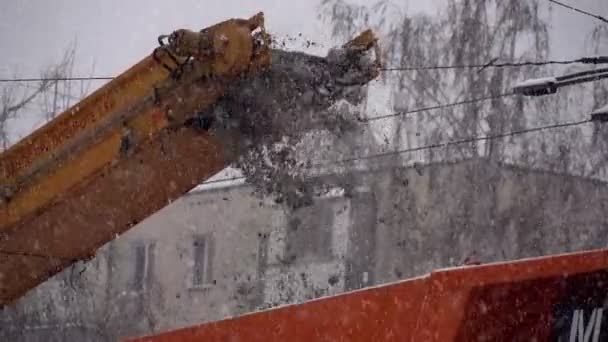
129	149
120	154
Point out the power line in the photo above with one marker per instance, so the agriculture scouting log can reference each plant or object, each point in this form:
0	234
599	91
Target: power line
222	180
583	60
43	79
424	109
60	93
370	157
35	255
599	17
433	146
461	141
454	104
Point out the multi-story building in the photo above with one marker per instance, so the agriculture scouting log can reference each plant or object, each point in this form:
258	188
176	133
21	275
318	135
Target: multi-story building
222	252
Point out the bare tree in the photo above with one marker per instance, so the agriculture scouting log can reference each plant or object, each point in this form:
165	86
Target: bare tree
45	98
12	104
478	32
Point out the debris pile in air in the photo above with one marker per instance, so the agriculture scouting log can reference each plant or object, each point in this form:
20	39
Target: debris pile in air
272	111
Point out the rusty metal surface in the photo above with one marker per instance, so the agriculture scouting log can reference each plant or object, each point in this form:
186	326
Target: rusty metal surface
528	300
229	58
38	169
95	170
71	193
111	202
112	97
84	157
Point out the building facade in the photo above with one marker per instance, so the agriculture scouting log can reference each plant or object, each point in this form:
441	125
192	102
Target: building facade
222	252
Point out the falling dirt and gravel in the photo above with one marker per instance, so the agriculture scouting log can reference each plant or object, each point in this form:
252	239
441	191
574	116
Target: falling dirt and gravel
273	111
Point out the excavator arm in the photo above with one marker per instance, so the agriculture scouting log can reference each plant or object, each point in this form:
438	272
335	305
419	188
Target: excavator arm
119	155
125	151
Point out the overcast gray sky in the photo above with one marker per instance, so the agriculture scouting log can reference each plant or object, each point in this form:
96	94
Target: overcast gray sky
117	33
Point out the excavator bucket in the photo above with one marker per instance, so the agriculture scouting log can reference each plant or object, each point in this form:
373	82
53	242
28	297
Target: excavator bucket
364	42
557	298
131	147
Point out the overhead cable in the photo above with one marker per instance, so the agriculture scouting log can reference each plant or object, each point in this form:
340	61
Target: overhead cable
433	146
460	141
424	109
492	64
33	255
370	157
46	79
223	180
583	60
599	17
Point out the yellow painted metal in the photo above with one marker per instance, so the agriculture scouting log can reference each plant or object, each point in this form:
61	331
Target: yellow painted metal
366	41
114	96
53	146
67	175
230	42
96	170
67	182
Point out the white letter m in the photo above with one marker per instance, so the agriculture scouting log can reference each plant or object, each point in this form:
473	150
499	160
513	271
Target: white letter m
581	333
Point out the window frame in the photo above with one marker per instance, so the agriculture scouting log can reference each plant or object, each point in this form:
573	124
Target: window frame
206	281
325	238
149	248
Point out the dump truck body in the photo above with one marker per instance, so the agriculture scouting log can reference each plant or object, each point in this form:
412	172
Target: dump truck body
557	298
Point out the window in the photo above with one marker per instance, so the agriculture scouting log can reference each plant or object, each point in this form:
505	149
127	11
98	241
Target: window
309	232
202	253
144	265
262	254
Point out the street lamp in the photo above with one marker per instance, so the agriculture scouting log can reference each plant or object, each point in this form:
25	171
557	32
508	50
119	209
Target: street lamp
536	86
600	114
549	85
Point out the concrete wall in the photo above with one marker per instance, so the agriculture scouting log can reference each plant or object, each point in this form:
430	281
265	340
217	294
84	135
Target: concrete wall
232	223
448	212
391	224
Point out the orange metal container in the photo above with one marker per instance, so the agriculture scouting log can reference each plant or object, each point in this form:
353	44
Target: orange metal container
557	298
